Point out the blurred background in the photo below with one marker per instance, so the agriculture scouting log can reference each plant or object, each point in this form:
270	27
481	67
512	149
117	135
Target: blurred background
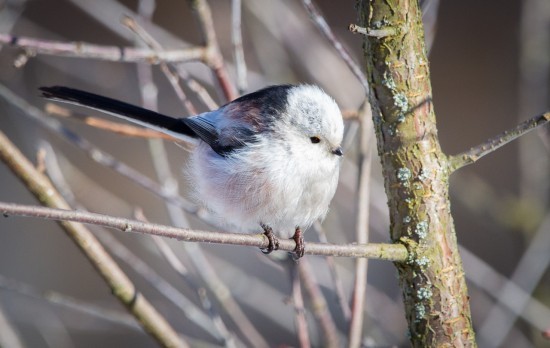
490	71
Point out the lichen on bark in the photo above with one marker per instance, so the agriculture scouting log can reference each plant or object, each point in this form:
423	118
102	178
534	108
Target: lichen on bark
416	175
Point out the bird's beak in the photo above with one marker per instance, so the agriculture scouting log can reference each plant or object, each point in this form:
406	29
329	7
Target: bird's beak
338	151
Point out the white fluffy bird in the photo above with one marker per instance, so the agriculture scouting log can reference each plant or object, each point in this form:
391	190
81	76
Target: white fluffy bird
270	158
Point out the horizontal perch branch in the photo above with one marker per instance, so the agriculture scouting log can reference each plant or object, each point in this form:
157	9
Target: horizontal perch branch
392	252
111	53
475	153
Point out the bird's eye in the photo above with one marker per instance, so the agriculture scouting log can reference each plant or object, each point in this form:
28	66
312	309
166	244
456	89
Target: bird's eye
315	140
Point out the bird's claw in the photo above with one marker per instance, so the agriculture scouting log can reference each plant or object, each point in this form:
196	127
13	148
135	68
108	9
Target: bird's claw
300	244
273	241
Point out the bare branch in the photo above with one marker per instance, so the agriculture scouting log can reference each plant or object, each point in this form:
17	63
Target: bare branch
381	251
300	320
463	159
237	41
153	44
338	284
64	301
110	53
121	286
325	29
319	304
362	230
213	57
110	126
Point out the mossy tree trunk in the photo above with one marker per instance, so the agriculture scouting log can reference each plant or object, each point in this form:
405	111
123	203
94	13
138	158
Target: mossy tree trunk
416	175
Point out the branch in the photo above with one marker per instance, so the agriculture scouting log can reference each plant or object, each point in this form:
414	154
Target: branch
117	317
390	252
110	126
121	286
153	44
213	56
110	53
325	29
463	159
362	230
319	304
300	320
237	42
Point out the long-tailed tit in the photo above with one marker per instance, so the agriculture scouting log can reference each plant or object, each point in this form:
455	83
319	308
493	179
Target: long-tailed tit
270	158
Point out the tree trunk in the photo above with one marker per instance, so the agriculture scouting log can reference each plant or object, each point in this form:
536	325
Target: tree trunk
416	175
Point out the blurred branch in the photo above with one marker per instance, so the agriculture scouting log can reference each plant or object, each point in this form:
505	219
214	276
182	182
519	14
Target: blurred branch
530	270
64	301
172	77
319	304
463	159
393	252
120	284
213	56
338	284
110	126
361	228
237	41
110	53
533	312
300	320
325	29
533	87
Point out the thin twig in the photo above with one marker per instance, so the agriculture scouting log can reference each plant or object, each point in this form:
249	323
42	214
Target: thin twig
110	53
325	29
486	278
213	57
381	251
338	284
110	126
362	230
197	88
463	159
207	305
156	46
529	271
120	284
319	304
300	320
237	41
67	302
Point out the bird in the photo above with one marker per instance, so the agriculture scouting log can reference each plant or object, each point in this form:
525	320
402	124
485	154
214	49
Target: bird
268	159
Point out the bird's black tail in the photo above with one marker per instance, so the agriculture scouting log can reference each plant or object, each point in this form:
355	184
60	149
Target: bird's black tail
151	119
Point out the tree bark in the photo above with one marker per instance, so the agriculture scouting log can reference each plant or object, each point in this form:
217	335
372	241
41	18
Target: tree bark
416	173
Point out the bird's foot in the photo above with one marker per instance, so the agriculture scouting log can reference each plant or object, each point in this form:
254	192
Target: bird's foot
273	241
300	244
